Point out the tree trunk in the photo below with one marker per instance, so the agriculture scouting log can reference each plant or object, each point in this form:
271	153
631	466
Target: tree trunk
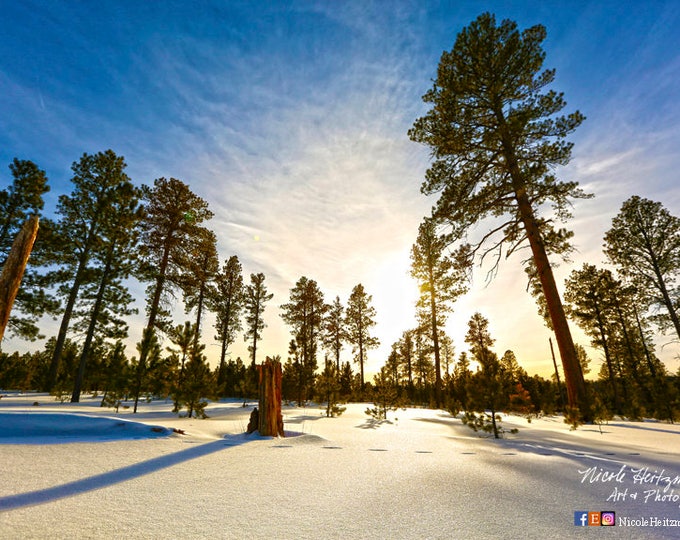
361	349
13	269
85	353
150	325
66	317
435	343
270	418
576	386
557	373
223	350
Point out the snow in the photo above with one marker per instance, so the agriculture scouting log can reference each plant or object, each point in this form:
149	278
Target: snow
81	471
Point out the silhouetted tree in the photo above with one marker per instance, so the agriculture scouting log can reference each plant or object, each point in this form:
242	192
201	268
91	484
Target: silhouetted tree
359	319
305	315
256	298
226	301
495	138
644	242
171	223
334	330
441	280
19	200
87	214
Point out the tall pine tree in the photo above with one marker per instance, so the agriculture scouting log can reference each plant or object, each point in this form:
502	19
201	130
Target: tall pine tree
441	280
98	181
644	242
256	298
171	224
19	200
226	301
305	315
359	319
496	137
107	296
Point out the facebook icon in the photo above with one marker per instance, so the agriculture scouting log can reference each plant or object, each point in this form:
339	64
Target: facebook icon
581	519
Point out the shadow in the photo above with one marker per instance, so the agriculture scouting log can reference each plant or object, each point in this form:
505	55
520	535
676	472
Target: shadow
36	428
642	426
444	420
70	489
299	419
372	423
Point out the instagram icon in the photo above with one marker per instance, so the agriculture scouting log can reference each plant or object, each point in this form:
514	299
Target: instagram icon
607	519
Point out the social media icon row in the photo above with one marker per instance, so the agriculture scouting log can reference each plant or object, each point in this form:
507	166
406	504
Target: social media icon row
583	518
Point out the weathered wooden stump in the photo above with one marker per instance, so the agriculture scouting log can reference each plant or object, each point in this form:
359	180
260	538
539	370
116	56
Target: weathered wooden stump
13	269
270	418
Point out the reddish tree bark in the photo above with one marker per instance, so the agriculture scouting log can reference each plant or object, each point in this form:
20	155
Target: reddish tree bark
270	418
13	269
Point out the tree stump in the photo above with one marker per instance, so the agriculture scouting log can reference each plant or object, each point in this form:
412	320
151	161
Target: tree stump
13	269
270	418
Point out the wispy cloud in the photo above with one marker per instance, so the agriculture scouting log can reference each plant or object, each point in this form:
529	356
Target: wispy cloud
291	121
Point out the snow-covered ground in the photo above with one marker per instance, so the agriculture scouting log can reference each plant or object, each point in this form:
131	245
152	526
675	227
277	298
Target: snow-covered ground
81	471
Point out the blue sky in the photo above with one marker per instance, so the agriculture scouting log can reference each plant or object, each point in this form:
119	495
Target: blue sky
291	120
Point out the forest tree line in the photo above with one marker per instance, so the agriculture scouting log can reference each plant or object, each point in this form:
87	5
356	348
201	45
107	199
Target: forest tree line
497	135
107	231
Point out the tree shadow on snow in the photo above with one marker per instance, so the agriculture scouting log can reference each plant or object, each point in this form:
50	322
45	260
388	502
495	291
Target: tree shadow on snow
70	489
372	423
644	426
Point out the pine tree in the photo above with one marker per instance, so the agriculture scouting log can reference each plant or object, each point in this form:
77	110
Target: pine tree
197	282
113	263
183	336
488	385
495	138
21	199
346	378
117	377
256	298
328	389
305	315
359	319
644	242
196	384
149	350
406	349
423	367
385	395
172	222
589	303
441	280
461	384
226	301
334	330
86	216
171	225
234	373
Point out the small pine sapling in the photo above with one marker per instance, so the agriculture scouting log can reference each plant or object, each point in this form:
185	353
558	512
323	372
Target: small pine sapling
488	423
196	384
572	416
385	396
601	413
328	390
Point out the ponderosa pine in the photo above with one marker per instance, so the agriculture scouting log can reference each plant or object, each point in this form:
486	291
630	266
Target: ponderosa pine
496	137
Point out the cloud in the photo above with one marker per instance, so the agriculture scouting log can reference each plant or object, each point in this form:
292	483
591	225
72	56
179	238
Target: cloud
291	122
